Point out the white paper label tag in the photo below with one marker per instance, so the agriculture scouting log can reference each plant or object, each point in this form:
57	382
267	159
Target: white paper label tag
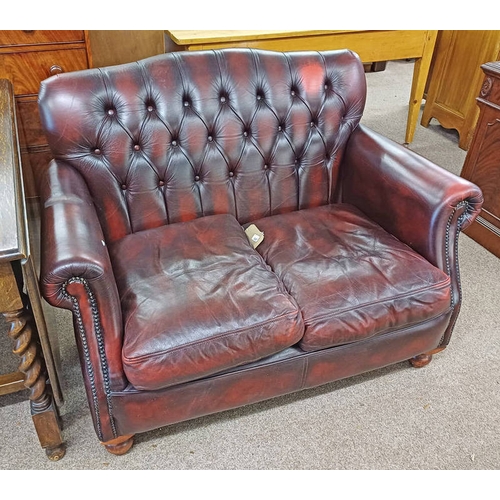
254	235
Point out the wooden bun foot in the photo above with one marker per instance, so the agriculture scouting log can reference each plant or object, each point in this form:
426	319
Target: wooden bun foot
421	360
120	445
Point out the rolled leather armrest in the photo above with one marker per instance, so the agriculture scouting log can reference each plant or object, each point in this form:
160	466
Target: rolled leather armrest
76	274
420	203
73	244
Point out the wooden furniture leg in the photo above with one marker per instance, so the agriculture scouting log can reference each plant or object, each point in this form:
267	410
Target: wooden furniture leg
421	360
420	72
20	301
424	359
23	332
120	445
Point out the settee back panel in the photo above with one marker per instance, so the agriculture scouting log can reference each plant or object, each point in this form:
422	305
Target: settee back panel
188	134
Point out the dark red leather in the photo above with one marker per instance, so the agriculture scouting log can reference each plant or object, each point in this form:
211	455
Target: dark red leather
73	246
350	278
198	299
292	371
408	195
175	137
241	135
414	199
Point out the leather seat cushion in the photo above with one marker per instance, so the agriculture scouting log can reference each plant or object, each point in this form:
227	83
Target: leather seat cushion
197	299
351	279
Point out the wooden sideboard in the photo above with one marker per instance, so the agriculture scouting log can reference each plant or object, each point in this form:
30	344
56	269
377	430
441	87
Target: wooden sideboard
371	45
482	163
29	56
456	77
26	58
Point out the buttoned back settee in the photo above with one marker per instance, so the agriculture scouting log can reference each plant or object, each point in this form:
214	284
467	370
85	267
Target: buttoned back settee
166	174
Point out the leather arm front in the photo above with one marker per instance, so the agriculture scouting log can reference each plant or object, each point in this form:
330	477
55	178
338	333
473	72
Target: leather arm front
76	274
409	196
413	199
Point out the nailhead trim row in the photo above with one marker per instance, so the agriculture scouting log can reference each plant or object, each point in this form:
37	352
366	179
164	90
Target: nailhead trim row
454	300
86	353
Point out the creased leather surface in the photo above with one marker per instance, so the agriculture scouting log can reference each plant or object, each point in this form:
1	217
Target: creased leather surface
144	147
271	377
197	299
72	245
351	279
408	195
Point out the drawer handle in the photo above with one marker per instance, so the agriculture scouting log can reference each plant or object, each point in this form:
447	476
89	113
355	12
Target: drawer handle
28	31
55	69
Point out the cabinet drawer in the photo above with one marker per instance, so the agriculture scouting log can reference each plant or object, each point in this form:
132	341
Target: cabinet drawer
27	69
35	37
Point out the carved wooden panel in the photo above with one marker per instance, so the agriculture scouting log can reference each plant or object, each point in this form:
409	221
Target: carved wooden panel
482	164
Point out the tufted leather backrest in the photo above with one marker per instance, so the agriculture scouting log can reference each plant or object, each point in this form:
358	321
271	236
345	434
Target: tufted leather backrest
188	134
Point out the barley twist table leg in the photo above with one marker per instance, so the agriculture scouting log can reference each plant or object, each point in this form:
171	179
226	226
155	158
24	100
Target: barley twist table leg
43	410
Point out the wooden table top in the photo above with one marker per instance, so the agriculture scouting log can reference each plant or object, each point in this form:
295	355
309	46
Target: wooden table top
13	229
186	37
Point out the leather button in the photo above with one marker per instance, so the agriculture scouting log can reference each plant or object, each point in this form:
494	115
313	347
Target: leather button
222	99
161	183
259	97
292	92
186	104
231	174
210	138
97	151
137	147
279	128
174	143
111	112
196	177
245	134
124	186
150	108
266	166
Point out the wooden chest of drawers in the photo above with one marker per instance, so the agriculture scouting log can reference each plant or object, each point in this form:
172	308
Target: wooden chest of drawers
27	58
482	164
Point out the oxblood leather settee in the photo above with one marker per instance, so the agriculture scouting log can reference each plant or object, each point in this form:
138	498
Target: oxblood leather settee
158	168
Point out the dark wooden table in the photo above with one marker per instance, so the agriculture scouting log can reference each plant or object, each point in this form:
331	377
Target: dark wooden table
20	301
